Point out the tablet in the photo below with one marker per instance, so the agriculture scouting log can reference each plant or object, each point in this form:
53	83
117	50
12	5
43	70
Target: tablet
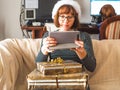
65	39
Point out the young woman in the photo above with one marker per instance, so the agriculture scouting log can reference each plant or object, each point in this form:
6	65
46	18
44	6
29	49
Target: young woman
66	15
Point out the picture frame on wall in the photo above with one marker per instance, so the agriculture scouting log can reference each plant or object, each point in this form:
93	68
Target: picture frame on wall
30	14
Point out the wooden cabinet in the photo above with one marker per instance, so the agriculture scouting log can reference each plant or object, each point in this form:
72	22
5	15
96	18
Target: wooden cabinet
91	29
36	31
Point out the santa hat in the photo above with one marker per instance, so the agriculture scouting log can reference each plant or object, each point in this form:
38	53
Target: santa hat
73	3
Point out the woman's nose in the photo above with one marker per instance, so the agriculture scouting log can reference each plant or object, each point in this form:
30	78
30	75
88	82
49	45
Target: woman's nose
66	20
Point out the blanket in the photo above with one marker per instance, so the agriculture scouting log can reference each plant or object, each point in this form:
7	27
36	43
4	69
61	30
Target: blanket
17	59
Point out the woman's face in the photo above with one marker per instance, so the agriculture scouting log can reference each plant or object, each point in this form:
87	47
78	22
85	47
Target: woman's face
66	21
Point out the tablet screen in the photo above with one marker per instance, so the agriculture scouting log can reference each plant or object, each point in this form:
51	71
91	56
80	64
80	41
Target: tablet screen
65	39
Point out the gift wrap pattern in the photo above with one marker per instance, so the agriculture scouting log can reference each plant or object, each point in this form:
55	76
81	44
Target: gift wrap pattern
38	81
67	67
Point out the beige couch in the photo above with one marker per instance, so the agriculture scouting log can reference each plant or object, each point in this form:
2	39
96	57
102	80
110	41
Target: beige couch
17	59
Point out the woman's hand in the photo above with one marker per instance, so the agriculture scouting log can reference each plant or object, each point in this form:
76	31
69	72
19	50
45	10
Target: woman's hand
47	42
81	52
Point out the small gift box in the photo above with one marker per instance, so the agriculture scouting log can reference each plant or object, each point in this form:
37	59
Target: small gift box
64	67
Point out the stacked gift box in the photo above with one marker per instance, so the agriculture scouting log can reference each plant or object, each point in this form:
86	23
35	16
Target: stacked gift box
61	75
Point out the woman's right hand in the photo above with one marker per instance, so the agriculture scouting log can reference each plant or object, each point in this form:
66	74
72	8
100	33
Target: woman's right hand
47	42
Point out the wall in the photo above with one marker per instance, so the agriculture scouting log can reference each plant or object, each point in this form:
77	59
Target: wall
2	35
12	11
1	23
85	11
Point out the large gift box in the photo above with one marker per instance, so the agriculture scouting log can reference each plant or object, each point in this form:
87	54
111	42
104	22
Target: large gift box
38	81
53	68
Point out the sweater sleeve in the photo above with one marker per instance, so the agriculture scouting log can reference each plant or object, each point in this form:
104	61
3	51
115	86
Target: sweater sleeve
89	61
41	57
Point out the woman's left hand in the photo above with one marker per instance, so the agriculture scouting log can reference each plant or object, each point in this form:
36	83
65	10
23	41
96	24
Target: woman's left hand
81	52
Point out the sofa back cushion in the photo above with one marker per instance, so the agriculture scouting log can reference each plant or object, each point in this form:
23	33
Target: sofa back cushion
107	71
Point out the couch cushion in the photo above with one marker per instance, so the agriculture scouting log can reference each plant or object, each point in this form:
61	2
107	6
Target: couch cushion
107	71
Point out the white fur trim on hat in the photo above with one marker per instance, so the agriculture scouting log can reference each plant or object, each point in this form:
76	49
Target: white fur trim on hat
73	3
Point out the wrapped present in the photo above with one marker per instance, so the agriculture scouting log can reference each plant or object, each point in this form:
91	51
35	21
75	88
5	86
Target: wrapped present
53	68
77	81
